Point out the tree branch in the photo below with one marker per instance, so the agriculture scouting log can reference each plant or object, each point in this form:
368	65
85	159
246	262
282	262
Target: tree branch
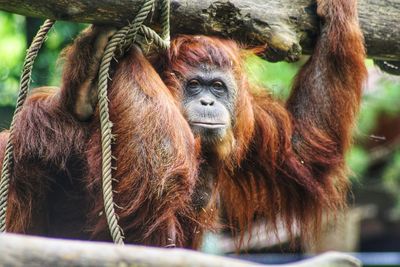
18	250
285	25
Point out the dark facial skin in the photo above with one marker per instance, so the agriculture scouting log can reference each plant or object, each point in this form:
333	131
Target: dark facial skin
209	95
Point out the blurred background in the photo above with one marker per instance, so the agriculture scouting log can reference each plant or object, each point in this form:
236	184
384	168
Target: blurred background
371	228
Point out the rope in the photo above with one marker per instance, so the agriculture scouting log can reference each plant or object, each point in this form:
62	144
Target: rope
165	23
123	38
153	37
23	92
138	21
106	135
137	25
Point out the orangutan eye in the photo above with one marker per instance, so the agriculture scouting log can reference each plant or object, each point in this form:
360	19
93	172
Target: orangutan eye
218	88
193	83
218	85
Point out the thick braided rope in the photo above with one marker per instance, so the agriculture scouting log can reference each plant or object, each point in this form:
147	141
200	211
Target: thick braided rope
123	39
165	23
137	25
106	136
138	21
23	92
152	36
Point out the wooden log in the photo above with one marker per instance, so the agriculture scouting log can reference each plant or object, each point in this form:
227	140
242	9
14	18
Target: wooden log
19	250
285	25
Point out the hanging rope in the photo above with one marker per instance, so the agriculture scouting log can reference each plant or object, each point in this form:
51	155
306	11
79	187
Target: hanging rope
23	92
165	23
122	39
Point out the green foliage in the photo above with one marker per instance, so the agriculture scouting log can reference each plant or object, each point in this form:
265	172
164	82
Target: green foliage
391	173
357	159
391	179
382	99
275	76
12	49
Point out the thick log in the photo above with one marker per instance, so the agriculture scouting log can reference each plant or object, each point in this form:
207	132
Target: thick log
18	250
285	25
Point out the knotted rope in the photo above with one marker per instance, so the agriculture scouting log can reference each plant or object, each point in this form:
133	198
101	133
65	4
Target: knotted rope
122	39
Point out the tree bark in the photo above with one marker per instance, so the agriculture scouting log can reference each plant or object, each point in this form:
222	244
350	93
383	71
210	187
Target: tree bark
287	26
18	250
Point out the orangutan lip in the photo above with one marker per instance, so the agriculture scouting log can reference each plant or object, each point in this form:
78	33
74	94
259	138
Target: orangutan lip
211	125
